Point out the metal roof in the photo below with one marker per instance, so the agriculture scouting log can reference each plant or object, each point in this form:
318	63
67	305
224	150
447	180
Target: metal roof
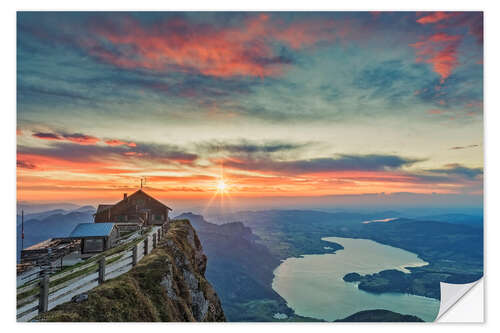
102	207
92	230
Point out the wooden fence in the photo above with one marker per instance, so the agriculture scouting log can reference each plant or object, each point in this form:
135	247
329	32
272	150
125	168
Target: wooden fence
47	292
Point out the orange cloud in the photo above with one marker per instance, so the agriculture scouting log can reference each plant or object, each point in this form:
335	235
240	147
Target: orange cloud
114	142
132	153
435	17
47	136
35	184
440	50
473	21
78	138
81	139
244	50
25	165
51	163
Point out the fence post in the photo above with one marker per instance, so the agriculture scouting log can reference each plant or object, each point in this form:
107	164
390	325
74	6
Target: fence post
102	269
43	303
134	255
146	245
154	240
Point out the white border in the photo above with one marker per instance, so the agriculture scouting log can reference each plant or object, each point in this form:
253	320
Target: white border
462	311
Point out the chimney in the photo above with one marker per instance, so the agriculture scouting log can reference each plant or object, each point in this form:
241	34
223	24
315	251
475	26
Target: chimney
125	196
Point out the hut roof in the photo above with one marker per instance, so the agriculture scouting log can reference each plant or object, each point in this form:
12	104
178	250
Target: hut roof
92	230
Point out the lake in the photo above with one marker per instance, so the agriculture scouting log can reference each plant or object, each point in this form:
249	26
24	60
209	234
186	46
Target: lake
313	286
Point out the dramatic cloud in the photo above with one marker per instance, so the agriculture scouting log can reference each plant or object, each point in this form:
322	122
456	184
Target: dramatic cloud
250	48
61	155
81	139
441	48
89	149
114	142
247	147
78	138
472	20
47	136
25	165
441	51
434	17
166	153
459	170
283	103
340	163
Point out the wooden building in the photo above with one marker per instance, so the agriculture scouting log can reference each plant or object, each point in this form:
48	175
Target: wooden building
48	252
137	209
95	237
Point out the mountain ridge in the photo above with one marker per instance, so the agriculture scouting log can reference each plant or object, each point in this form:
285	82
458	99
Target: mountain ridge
167	285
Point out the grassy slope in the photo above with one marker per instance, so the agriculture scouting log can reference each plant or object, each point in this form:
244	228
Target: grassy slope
140	294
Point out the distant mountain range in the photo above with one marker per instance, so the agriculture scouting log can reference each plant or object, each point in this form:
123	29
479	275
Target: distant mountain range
49	224
470	220
30	208
46	213
243	255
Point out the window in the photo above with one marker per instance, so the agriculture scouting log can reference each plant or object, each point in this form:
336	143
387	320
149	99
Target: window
93	245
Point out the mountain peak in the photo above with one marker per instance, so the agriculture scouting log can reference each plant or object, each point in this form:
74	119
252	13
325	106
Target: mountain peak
167	285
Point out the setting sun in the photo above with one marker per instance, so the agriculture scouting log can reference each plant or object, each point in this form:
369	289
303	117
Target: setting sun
221	186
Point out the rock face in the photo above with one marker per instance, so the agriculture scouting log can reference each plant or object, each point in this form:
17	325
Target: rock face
168	285
241	270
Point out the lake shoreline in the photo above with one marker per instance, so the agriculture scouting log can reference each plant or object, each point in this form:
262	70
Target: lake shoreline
328	282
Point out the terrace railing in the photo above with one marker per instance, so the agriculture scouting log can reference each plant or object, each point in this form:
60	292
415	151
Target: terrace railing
48	291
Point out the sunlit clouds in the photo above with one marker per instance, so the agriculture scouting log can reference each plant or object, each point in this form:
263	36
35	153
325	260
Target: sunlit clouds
223	107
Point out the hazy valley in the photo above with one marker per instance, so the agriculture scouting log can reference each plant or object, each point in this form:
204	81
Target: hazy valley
243	255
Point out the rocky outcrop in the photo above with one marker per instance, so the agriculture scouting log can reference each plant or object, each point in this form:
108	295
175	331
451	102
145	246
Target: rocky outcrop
168	285
352	277
380	316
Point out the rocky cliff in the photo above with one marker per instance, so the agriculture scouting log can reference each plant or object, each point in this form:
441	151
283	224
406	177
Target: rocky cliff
168	285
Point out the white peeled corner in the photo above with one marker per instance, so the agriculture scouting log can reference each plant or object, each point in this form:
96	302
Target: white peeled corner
452	294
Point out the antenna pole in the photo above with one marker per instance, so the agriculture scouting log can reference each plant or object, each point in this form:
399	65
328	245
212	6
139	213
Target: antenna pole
22	229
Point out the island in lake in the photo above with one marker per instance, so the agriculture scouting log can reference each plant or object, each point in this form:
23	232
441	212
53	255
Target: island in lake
379	316
314	285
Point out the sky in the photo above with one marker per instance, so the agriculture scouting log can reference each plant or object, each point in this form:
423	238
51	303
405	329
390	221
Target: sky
296	107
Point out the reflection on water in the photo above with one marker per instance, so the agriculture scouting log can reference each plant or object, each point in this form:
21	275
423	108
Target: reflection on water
313	285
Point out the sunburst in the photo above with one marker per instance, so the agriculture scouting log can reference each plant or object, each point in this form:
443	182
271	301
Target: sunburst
221	186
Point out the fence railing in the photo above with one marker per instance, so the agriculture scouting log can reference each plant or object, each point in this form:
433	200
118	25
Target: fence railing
47	291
